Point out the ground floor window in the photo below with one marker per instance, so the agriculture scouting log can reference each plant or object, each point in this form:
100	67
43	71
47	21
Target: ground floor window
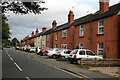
100	49
81	45
64	46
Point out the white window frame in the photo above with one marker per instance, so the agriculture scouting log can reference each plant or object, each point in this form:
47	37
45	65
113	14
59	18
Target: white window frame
80	46
64	45
100	49
63	33
102	26
81	34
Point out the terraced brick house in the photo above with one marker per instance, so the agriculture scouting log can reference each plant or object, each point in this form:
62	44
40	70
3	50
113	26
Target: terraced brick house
99	32
38	38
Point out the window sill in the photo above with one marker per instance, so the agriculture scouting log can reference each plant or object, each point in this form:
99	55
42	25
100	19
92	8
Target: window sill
99	34
64	37
81	36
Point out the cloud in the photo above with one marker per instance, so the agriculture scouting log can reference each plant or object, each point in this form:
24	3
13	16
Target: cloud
23	25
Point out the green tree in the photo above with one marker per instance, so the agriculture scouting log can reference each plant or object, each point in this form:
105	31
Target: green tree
32	44
5	31
23	7
17	7
14	41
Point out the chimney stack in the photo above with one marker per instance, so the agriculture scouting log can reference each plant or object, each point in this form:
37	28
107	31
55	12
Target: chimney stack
36	32
70	17
104	5
43	29
54	23
32	34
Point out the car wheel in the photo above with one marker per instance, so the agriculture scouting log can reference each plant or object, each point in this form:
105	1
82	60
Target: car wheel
54	56
37	53
71	61
62	57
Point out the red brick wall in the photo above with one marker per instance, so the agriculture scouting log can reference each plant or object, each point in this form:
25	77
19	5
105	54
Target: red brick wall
119	37
66	40
110	37
49	40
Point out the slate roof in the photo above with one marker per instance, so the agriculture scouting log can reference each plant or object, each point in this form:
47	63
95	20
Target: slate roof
88	18
48	31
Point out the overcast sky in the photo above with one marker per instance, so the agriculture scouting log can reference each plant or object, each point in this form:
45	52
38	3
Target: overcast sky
23	25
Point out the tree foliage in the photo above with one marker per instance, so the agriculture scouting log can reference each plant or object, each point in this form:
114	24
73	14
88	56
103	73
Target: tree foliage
5	31
14	41
32	44
23	7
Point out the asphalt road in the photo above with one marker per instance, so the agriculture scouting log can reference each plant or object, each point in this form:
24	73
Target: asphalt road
18	66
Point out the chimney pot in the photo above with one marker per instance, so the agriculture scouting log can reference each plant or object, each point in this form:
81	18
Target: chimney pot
43	29
54	23
36	32
104	5
32	34
70	16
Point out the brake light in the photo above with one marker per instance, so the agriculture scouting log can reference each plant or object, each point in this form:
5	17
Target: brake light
74	56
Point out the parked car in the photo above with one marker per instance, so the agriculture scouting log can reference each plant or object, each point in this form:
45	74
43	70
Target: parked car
45	51
32	49
25	48
64	53
78	54
22	48
38	49
17	47
28	48
53	53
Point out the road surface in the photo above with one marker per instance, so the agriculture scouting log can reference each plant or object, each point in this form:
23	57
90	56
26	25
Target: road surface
18	66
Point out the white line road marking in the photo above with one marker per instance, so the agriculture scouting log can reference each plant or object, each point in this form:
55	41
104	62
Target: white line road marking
18	66
11	58
27	78
13	61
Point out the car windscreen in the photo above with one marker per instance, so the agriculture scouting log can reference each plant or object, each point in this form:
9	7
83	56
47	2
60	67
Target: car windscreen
48	49
74	52
60	50
67	52
57	50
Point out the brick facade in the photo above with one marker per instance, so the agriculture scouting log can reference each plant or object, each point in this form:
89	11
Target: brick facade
98	32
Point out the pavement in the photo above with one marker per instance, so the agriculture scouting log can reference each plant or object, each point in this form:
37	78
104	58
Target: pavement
19	65
73	68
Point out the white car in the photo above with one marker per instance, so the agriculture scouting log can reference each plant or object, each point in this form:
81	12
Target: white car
32	49
53	53
64	53
79	54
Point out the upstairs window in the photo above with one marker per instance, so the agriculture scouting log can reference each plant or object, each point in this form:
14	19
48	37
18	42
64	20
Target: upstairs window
64	33
100	27
81	31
